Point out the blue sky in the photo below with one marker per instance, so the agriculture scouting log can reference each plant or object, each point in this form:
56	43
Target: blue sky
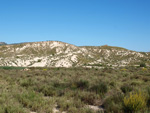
123	23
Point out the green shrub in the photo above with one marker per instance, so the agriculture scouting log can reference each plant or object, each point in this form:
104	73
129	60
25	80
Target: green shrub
142	65
126	88
12	109
113	104
39	60
134	102
35	102
89	98
100	88
148	100
47	90
112	83
82	84
59	85
136	82
66	105
11	68
26	82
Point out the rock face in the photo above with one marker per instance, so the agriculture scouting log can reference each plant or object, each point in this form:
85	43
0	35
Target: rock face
60	54
2	43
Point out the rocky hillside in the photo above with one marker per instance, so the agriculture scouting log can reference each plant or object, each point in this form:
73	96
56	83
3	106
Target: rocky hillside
2	43
60	54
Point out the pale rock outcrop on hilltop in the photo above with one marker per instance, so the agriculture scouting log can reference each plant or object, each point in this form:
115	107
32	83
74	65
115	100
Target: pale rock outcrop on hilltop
60	54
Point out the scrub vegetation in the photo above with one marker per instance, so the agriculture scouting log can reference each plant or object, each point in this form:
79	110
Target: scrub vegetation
75	90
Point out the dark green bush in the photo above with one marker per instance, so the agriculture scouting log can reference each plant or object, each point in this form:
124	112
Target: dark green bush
100	88
142	65
112	83
114	104
89	98
39	60
82	84
148	100
47	90
27	82
59	85
126	88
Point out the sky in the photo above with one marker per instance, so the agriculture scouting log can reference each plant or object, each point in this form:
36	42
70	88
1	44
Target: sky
122	23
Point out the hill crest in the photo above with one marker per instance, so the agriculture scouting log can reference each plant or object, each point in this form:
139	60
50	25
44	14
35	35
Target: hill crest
61	54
